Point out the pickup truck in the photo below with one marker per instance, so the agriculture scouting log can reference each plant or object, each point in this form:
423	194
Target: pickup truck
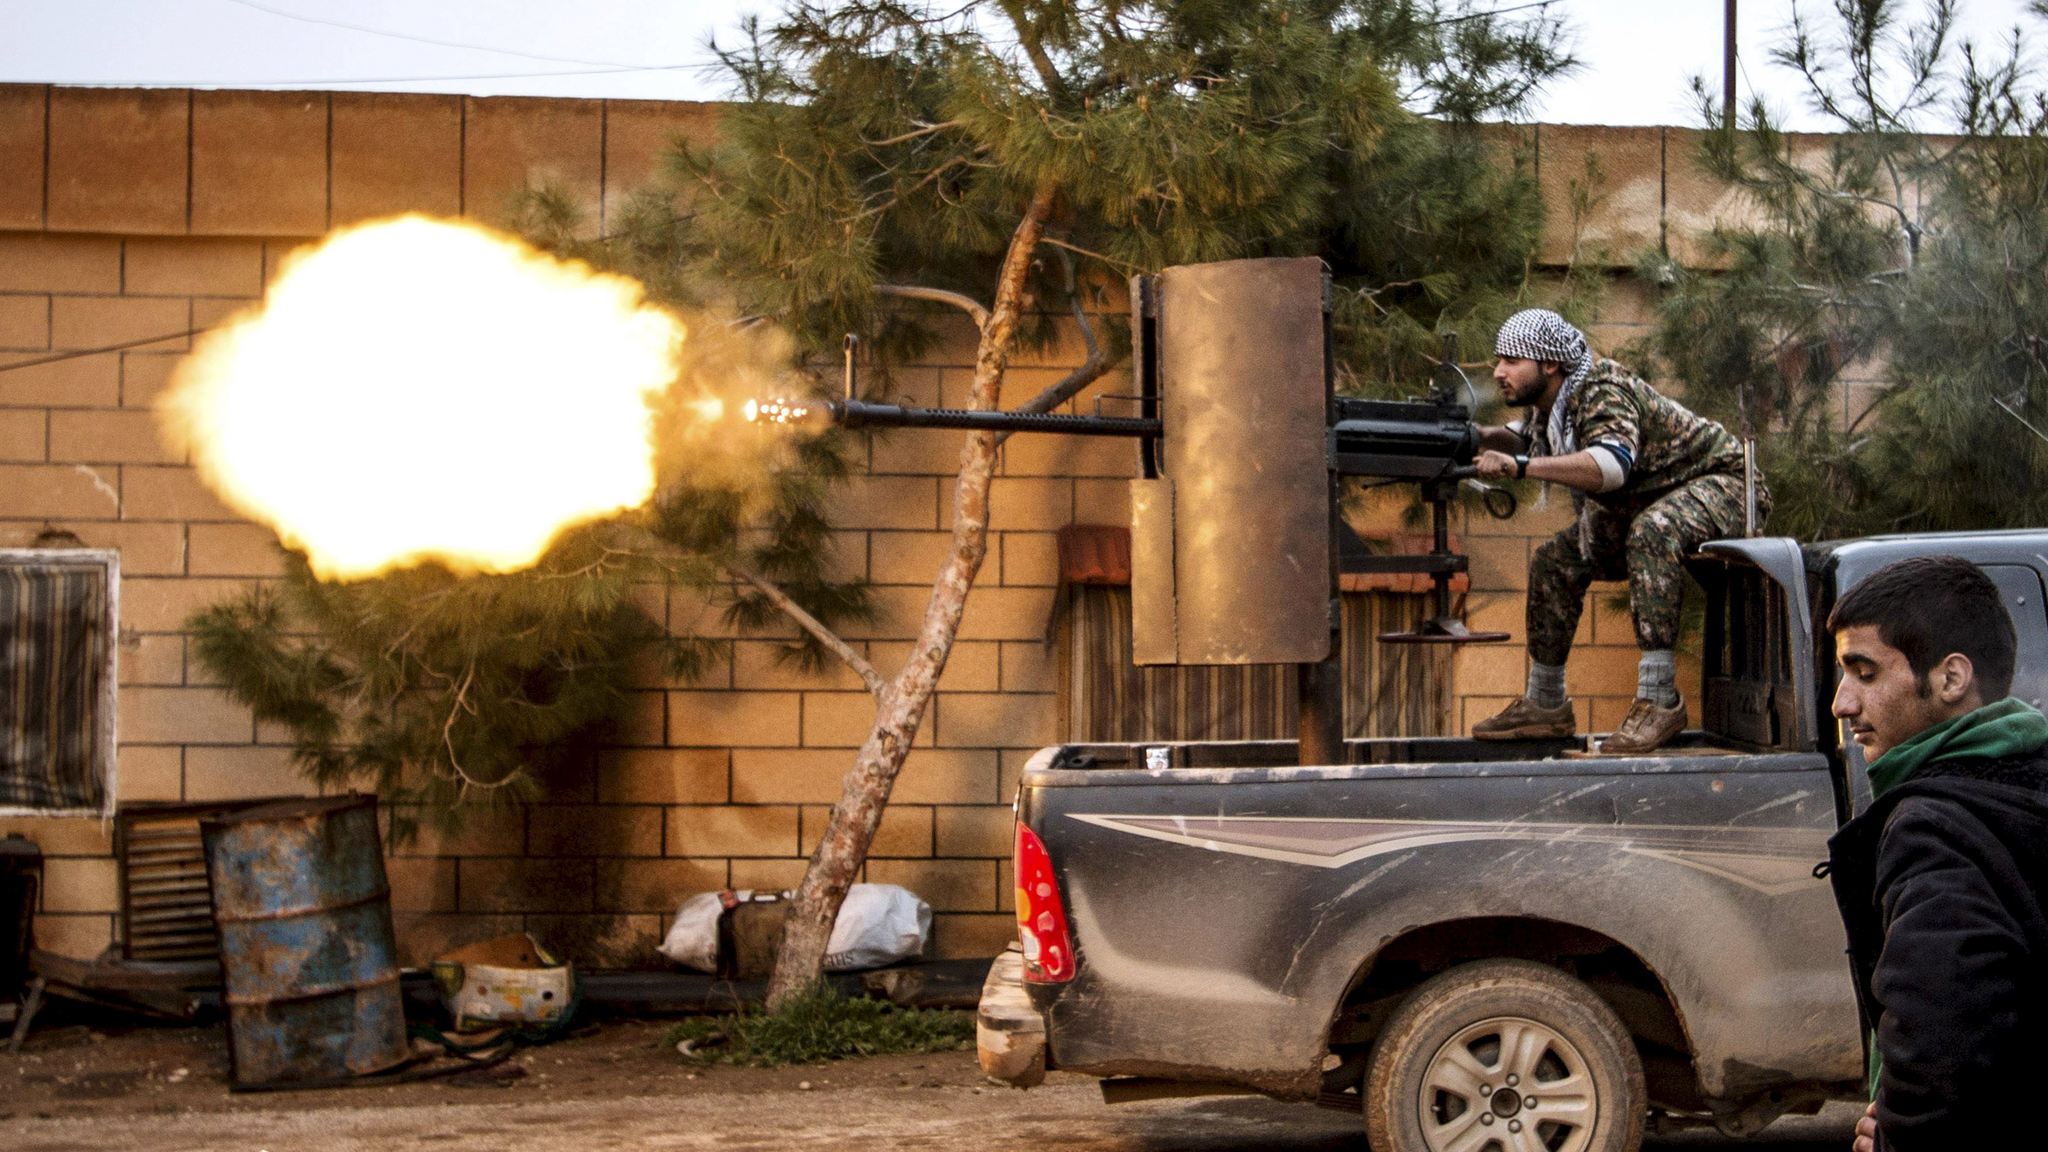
1480	946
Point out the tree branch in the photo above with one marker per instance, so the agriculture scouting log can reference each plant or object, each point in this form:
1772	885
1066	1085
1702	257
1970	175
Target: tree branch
840	648
927	130
960	300
1088	373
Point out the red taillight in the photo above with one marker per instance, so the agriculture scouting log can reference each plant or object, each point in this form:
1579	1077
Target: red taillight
1041	918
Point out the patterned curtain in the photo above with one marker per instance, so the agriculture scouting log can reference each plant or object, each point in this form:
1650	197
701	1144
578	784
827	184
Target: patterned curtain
1389	690
55	742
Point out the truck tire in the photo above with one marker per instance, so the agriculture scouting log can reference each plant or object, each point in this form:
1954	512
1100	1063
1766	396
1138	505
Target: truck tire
1504	1056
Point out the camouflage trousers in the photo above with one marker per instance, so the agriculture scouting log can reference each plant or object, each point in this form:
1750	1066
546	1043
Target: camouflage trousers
1644	542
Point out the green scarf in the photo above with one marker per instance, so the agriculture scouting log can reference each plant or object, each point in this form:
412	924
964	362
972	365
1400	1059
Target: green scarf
2007	727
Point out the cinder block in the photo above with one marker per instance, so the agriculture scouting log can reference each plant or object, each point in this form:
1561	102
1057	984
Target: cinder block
639	134
1602	671
525	885
899	610
663	776
241	772
1102	501
234	550
594	830
1027	503
1619	172
1607	712
733	719
192	267
513	143
964	936
144	772
904	502
1499	563
655	885
1470	710
985	830
949	776
108	436
642	722
85	322
62	835
789	775
24	435
87	381
971	666
209	312
911	558
424	936
31	262
396	152
840	719
1006	884
259	163
1612	622
1490	669
154	493
420	885
765	875
1106	456
56	492
1029	559
605	940
23	110
498	830
25	323
915	452
996	613
995	720
146	549
164	604
152	659
754	665
905	831
732	830
1029	666
81	937
118	160
141	376
947	885
181	716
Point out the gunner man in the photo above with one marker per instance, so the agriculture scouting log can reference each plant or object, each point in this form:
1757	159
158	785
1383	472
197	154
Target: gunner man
1651	482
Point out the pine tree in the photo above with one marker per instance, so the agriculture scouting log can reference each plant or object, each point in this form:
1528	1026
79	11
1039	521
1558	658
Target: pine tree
1917	238
889	157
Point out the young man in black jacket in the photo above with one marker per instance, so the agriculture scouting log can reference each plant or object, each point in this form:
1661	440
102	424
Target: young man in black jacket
1943	881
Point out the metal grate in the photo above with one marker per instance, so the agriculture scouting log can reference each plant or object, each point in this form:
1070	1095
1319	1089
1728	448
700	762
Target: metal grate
166	899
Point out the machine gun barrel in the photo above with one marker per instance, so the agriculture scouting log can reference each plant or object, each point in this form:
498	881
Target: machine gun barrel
864	413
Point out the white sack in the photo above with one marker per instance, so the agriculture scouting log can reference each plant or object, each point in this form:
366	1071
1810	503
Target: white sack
878	924
692	940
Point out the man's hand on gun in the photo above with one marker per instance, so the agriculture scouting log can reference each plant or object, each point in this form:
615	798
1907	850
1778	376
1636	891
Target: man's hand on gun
1493	465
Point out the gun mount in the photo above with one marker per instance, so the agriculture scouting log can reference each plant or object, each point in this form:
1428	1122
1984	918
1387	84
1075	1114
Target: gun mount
1242	444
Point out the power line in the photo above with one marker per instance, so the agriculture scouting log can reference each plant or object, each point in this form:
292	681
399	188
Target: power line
1471	15
281	14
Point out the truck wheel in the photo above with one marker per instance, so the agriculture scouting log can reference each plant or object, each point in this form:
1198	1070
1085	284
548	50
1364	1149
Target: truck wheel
1504	1056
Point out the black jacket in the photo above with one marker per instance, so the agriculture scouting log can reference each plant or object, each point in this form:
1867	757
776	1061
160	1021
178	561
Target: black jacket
1941	885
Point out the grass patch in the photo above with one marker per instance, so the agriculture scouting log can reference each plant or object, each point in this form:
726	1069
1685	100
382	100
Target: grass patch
822	1025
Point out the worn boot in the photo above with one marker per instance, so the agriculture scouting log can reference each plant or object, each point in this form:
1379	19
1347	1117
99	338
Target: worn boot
1527	720
1647	727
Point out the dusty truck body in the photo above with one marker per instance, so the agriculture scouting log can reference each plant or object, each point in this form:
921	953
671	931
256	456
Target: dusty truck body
1207	917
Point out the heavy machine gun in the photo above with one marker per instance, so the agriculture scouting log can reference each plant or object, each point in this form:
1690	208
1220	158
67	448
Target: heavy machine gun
1236	537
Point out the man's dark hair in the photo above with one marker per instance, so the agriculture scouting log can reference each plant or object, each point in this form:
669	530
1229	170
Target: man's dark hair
1930	606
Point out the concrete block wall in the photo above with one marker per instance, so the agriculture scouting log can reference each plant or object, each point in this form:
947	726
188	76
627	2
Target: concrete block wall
128	215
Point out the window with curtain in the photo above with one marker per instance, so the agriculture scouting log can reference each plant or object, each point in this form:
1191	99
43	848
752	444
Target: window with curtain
57	611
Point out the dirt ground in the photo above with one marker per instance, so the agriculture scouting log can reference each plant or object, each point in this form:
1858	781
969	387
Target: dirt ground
617	1086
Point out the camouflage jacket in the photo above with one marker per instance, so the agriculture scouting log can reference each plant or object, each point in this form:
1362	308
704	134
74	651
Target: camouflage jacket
1659	442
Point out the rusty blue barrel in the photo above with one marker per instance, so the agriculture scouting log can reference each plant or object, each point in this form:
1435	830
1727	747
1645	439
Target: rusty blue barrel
308	956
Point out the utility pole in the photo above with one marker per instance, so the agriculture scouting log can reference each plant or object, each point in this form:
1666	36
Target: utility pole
1728	69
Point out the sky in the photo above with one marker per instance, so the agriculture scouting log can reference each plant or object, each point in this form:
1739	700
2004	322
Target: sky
1638	54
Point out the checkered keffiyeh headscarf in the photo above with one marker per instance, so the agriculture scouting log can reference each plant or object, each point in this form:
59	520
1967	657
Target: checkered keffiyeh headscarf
1540	334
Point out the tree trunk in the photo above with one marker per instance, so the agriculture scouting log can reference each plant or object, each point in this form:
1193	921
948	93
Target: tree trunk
900	704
